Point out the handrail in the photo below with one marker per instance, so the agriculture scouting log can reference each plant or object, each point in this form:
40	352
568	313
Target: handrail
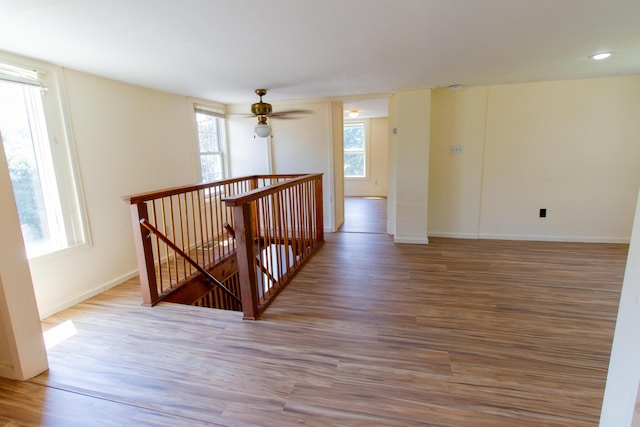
267	190
172	191
190	260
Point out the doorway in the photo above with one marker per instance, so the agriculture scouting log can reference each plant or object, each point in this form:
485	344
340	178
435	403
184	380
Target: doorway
365	163
365	215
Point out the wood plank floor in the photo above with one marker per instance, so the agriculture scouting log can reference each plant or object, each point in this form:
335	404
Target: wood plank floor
365	215
456	333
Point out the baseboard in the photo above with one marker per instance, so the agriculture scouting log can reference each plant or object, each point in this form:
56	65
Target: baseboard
95	291
411	239
454	235
568	239
525	237
7	371
383	196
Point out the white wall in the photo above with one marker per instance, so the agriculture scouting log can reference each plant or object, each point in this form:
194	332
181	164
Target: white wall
570	147
338	162
392	166
304	145
375	184
248	154
623	380
412	170
128	140
22	352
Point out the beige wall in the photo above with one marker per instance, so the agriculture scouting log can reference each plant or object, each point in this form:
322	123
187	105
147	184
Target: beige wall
375	184
304	145
570	147
455	181
128	139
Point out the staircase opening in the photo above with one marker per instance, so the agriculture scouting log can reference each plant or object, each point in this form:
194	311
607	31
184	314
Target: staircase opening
232	244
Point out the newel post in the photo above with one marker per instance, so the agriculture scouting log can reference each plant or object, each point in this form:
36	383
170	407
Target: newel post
246	260
144	253
319	209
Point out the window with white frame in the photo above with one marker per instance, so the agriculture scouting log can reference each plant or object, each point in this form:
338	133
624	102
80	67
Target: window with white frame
39	159
211	143
355	144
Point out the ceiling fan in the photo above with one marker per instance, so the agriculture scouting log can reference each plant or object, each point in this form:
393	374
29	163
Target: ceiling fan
263	110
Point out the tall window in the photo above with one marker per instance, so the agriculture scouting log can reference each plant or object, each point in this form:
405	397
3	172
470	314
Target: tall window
39	160
210	125
355	150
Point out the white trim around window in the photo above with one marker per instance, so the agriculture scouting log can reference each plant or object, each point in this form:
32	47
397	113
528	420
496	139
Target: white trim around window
367	148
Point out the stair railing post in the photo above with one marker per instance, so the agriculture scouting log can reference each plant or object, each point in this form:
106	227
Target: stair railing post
246	260
144	253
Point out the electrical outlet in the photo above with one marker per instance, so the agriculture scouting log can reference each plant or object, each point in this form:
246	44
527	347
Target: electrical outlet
456	149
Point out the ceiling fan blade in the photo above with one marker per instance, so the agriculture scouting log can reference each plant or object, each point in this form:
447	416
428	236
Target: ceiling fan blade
294	112
290	114
239	115
262	109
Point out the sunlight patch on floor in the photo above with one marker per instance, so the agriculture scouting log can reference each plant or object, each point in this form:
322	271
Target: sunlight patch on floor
59	333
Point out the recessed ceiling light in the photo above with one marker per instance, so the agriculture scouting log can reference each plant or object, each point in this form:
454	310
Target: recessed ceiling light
600	56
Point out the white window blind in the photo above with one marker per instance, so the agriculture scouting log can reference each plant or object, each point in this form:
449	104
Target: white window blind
26	76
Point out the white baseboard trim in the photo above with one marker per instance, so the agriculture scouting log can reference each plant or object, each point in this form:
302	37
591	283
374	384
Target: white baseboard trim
384	196
525	237
7	371
454	235
568	239
95	291
411	239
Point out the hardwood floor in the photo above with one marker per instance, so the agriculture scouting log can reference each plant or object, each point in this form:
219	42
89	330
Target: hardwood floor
365	215
456	333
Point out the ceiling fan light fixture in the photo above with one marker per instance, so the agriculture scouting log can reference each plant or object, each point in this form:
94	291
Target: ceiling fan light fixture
354	114
262	129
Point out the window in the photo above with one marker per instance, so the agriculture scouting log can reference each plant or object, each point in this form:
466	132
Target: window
354	150
210	126
39	160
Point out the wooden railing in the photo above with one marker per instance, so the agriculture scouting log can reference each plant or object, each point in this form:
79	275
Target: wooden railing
277	229
185	234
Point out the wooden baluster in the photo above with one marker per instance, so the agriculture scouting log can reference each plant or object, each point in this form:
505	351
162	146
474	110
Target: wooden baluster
172	226
158	249
311	215
144	251
181	214
319	209
291	224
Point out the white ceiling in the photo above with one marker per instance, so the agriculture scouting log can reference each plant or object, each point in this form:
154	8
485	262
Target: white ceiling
223	50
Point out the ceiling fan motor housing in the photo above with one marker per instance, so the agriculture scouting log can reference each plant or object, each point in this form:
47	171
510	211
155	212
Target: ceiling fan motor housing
261	109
